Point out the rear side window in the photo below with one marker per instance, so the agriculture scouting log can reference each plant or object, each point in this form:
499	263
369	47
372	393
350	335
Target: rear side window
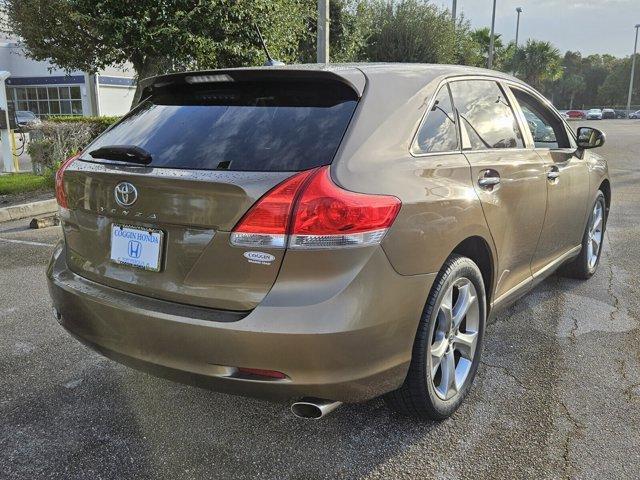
439	132
265	126
486	115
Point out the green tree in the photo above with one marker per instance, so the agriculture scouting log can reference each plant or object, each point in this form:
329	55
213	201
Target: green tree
572	84
582	79
349	29
482	39
468	52
615	88
538	63
157	36
595	70
415	31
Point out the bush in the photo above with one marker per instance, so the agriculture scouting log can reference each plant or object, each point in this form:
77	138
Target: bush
100	122
59	138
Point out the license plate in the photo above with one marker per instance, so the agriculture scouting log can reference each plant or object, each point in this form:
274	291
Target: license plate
137	247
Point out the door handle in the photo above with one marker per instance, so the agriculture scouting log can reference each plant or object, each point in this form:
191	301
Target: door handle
489	179
553	173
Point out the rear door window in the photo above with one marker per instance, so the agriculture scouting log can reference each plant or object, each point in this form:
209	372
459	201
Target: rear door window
251	126
486	115
547	129
439	132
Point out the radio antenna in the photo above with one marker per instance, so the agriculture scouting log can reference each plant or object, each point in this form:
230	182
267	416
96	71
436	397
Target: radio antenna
270	61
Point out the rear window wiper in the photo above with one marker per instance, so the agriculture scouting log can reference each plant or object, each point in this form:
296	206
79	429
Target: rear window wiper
123	153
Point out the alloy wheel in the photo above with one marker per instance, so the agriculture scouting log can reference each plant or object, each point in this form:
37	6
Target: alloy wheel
594	240
454	339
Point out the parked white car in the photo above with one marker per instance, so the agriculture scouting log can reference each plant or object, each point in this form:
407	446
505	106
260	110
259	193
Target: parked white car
27	119
594	114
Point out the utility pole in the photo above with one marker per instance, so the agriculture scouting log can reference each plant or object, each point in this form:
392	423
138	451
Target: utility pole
491	38
633	70
91	84
519	10
453	11
323	31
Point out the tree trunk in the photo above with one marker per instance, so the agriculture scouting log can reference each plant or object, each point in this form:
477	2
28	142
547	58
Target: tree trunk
149	67
573	94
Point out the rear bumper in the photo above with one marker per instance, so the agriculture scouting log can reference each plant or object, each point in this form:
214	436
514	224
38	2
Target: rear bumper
352	345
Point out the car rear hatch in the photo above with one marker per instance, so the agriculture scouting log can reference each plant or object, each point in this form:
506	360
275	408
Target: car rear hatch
152	209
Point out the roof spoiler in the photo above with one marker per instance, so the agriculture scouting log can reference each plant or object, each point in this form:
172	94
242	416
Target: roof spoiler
353	78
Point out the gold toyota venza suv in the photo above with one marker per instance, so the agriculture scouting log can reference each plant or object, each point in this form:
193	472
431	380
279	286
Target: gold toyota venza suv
322	233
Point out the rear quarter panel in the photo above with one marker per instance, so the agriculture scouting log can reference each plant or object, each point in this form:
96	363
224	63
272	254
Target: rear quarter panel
440	208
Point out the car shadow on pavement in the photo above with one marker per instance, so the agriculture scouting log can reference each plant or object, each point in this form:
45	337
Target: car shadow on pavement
93	418
103	420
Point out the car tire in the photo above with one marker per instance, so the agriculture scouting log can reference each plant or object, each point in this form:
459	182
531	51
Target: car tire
586	263
425	392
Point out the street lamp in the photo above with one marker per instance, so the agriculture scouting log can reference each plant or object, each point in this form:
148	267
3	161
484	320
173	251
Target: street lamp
491	38
453	11
633	70
519	10
515	50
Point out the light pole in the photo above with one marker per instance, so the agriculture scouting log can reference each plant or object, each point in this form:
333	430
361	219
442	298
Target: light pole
453	11
491	38
633	70
519	10
323	31
515	51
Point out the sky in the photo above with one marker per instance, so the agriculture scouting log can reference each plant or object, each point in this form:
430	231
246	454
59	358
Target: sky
588	26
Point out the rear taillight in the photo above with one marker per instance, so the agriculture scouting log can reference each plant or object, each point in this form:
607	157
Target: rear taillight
61	195
266	223
308	210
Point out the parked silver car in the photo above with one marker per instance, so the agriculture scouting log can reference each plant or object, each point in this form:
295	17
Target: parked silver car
594	114
27	119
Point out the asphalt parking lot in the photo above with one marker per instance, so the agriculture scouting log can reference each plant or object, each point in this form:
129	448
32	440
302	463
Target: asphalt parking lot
558	394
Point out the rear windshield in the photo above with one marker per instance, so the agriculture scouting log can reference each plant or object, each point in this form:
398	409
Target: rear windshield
249	127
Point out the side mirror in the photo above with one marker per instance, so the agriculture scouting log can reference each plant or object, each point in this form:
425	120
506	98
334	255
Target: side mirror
589	137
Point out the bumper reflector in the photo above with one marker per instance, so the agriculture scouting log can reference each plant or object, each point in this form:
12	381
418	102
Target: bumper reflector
258	372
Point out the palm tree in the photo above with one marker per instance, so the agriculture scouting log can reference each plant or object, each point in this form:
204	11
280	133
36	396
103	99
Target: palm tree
538	63
482	38
572	84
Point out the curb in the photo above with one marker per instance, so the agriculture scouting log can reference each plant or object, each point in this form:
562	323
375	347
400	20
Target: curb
17	212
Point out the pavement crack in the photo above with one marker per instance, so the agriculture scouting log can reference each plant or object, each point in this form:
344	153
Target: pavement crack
629	392
574	329
507	372
631	386
610	288
575	430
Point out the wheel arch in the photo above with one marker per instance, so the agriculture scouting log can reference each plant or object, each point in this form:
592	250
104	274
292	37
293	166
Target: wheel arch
605	187
477	249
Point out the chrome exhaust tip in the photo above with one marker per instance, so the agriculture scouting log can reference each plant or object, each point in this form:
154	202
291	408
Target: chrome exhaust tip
313	408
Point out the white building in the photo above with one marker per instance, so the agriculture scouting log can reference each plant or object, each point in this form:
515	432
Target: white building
45	90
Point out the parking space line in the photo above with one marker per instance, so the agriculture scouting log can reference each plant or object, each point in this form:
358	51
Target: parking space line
27	242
